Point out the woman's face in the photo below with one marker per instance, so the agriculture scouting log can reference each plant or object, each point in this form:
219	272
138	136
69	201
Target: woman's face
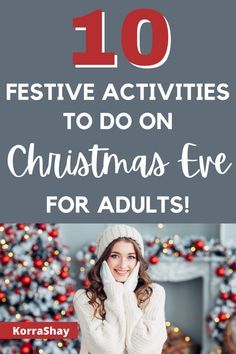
122	260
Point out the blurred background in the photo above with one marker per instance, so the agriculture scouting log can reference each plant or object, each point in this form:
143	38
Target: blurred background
42	266
191	286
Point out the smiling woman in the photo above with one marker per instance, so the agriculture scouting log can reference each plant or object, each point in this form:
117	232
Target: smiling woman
122	311
122	259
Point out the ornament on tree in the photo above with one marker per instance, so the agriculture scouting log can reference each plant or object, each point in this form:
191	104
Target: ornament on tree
38	263
8	231
57	317
53	233
154	260
2	295
61	298
86	283
233	297
5	259
233	266
223	316
41	226
150	243
92	249
71	309
35	248
189	257
199	244
17	291
20	226
11	310
220	271
64	273
26	348
46	284
26	280
224	296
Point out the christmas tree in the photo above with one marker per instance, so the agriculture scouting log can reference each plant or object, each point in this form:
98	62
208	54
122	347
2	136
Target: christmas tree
35	284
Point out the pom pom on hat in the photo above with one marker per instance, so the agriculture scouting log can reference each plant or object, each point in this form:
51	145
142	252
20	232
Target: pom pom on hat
117	231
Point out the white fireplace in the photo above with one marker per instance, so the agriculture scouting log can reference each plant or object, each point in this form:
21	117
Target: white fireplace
179	270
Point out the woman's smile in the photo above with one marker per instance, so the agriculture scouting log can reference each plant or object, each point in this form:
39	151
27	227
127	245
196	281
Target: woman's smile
121	272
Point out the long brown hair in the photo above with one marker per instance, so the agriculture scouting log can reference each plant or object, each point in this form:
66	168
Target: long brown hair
95	291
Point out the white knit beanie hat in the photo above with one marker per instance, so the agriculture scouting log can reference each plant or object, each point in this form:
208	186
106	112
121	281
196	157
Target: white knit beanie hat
114	232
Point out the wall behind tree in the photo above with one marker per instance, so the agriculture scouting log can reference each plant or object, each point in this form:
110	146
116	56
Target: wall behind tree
76	235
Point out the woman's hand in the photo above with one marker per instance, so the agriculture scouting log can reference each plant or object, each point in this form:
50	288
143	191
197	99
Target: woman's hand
132	281
112	288
105	274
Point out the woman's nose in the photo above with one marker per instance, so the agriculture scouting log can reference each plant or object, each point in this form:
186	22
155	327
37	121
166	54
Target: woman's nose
123	262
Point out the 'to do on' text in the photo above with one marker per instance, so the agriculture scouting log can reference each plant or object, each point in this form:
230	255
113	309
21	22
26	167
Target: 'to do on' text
122	121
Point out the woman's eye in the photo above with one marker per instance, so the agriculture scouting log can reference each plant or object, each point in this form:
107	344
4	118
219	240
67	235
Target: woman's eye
131	257
114	256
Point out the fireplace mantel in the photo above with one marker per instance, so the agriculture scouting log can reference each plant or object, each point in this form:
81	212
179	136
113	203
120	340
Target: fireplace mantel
172	269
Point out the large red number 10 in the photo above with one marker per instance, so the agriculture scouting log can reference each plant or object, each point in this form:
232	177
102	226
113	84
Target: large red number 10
95	55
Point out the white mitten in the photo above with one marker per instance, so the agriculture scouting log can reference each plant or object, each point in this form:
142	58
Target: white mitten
105	274
113	289
132	281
